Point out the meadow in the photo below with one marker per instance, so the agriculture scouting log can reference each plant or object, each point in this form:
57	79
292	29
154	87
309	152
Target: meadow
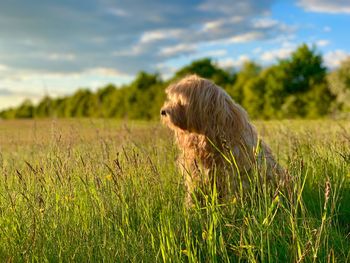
83	190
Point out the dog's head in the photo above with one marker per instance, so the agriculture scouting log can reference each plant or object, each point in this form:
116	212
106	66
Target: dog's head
196	104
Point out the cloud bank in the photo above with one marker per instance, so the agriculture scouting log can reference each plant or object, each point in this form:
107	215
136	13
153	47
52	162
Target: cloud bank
75	36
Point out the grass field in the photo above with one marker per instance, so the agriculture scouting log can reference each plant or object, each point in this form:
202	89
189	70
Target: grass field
102	190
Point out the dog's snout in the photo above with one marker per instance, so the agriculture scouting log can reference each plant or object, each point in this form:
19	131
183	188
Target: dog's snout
163	112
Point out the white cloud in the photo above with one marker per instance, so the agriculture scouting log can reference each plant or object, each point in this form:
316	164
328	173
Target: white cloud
257	50
327	29
212	25
18	93
272	55
155	35
233	63
265	22
334	58
174	50
117	12
322	42
11	97
209	53
61	56
167	70
214	53
3	67
17	85
283	39
15	100
132	52
215	25
246	37
326	6
5	92
146	40
106	72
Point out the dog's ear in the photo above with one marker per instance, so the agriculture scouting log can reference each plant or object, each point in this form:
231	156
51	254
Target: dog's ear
229	114
173	111
196	114
178	116
211	110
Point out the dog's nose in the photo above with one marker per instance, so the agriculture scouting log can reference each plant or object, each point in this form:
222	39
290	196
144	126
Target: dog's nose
163	112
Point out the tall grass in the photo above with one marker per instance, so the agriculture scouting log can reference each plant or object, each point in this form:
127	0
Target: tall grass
90	191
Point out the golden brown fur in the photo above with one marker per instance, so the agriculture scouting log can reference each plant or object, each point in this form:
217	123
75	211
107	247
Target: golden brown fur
213	133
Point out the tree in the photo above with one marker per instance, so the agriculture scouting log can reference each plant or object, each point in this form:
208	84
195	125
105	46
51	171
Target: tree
106	100
83	103
25	110
206	69
253	97
319	100
59	107
304	70
306	83
249	70
274	91
295	87
9	113
44	108
339	85
141	95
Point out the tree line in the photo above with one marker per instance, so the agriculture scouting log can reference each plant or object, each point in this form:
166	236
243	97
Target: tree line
297	87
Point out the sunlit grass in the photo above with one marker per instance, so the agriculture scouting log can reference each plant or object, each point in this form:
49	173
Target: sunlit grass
95	190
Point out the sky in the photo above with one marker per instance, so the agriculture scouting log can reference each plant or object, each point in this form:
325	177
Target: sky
54	47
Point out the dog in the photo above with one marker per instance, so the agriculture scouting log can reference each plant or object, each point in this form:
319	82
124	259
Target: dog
217	142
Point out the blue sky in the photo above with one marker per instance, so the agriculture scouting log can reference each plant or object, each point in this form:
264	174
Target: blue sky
54	47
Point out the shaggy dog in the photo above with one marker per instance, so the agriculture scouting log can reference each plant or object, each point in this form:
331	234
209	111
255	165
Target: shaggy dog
218	144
